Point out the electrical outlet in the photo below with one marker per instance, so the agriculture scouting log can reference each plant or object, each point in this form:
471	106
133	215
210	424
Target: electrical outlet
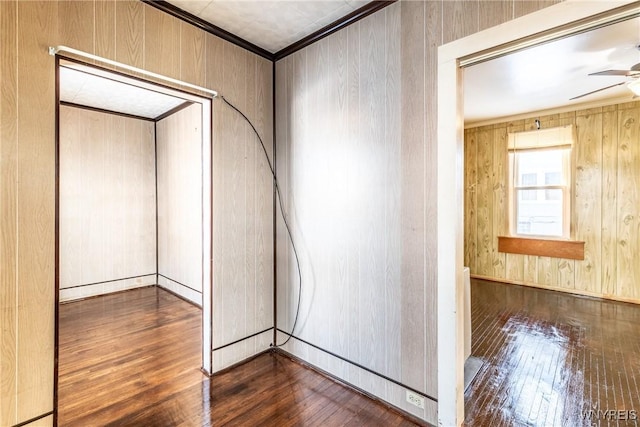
415	399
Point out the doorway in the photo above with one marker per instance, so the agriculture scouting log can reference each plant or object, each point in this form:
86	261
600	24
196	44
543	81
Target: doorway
133	191
547	24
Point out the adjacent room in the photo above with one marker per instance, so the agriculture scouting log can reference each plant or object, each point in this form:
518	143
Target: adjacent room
551	232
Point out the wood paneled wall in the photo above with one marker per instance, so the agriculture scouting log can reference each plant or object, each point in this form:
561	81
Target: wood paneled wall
606	204
356	158
136	34
107	201
179	163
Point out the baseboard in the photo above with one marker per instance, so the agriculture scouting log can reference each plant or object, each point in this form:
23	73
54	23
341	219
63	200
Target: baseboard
350	386
107	287
360	379
180	290
232	354
577	292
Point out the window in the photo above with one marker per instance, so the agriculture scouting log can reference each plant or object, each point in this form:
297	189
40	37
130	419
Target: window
540	182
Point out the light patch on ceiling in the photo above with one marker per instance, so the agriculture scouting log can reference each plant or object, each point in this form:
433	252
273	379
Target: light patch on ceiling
547	76
99	91
271	25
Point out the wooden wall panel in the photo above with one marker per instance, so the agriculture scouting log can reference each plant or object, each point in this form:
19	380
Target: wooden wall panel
107	197
588	198
605	204
116	30
129	32
413	152
192	54
242	203
76	20
8	200
179	178
628	268
609	203
161	42
37	29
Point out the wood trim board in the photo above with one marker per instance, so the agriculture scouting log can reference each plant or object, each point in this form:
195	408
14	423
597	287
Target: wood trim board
567	249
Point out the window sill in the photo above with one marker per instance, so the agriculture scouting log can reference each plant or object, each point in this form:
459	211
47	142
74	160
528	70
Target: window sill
568	249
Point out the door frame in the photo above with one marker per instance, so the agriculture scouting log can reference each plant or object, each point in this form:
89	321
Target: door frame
559	20
206	215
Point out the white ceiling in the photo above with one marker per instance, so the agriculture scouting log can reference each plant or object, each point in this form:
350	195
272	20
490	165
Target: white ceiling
95	88
271	25
547	76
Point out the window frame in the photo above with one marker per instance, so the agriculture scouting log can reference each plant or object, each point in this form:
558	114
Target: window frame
566	188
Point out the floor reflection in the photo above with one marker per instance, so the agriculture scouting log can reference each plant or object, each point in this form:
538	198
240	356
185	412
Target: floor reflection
552	359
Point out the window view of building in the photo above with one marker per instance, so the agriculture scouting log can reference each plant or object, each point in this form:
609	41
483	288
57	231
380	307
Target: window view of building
540	182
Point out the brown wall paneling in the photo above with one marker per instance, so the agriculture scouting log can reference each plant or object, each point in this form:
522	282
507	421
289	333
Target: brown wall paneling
107	203
161	43
609	205
588	198
192	54
179	178
129	34
628	268
8	199
35	252
28	28
604	196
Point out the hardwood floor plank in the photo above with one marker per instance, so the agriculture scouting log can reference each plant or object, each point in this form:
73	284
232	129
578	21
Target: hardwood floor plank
133	359
551	357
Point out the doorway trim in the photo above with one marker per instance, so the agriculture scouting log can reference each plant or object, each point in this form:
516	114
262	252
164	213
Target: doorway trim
550	23
189	93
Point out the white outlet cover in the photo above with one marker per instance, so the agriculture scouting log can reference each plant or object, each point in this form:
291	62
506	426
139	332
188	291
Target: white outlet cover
415	399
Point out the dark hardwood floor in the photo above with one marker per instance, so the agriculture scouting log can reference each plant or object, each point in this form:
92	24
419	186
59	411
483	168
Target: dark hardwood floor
133	359
552	359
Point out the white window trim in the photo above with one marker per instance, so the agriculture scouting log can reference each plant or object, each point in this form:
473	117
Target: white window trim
542	139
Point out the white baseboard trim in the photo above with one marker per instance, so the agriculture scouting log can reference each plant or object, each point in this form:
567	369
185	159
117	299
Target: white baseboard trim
241	350
95	289
180	290
370	383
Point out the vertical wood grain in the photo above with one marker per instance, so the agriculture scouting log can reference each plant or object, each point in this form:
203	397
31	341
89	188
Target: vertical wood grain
76	21
413	160
524	7
37	29
461	18
192	54
107	197
500	201
628	269
484	264
588	198
129	32
8	212
492	13
105	28
161	42
179	178
609	205
470	224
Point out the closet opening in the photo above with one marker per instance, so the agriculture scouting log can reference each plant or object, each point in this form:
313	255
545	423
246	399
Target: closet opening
133	203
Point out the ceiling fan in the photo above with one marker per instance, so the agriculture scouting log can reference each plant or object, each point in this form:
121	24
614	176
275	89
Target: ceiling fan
633	85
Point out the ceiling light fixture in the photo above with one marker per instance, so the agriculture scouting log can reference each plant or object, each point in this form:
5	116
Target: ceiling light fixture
634	86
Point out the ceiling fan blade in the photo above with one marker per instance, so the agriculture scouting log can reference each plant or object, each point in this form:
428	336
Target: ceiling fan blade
597	90
614	73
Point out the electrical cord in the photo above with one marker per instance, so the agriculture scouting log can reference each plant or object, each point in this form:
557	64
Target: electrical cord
284	217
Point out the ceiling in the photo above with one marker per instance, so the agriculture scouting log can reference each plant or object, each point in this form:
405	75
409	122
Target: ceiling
95	88
547	76
271	25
